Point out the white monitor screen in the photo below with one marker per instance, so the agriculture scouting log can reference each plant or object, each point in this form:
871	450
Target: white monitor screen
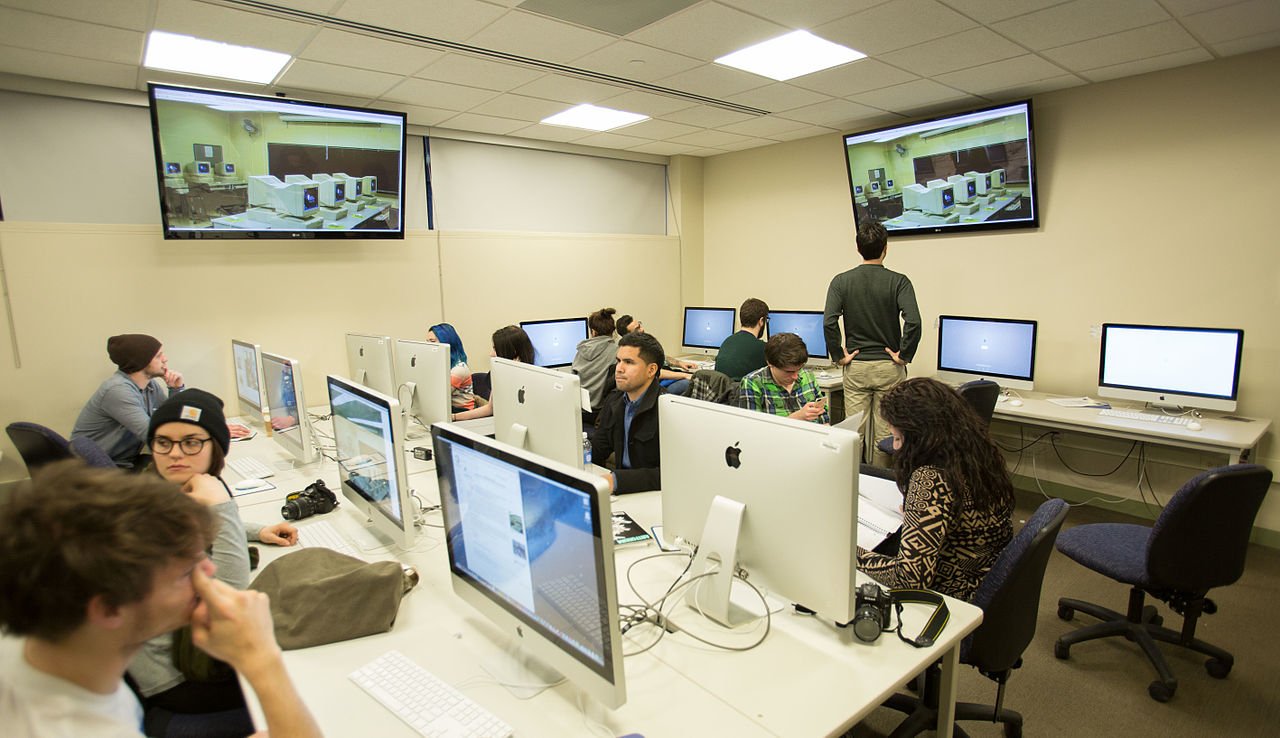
245	357
804	323
555	342
987	347
706	327
365	441
1164	360
286	407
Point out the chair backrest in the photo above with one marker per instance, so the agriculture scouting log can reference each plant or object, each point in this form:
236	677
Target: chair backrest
37	444
92	454
981	394
1200	540
710	385
481	384
1010	593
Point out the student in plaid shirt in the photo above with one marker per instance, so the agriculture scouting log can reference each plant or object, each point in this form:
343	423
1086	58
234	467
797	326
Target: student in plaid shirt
784	387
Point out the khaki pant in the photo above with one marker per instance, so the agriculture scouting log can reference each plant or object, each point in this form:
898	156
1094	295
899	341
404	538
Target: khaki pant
865	382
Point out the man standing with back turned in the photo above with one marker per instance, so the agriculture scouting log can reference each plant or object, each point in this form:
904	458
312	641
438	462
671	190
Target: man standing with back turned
877	347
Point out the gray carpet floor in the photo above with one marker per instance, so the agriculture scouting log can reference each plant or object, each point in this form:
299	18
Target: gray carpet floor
1102	689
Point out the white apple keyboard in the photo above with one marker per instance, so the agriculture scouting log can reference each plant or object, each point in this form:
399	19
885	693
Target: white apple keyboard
249	467
425	702
1146	417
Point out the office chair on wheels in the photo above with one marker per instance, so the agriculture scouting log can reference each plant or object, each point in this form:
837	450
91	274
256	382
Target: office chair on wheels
38	445
1198	543
1010	600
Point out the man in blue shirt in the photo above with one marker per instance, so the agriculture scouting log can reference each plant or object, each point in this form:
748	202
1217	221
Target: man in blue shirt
627	427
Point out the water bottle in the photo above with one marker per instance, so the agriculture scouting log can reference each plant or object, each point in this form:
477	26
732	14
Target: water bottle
586	450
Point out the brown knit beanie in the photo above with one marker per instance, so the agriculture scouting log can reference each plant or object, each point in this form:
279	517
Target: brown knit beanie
132	351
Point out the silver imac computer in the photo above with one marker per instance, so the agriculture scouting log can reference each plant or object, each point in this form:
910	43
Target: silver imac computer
1169	366
287	407
537	409
555	342
531	548
369	362
368	435
804	323
775	496
247	359
705	328
422	384
1002	350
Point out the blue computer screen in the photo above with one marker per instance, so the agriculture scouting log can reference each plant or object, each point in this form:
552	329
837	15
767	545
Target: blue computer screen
339	192
804	323
172	167
948	198
555	341
707	327
310	198
972	188
1002	348
202	167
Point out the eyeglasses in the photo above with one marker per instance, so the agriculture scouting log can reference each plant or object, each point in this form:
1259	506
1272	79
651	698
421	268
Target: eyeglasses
190	445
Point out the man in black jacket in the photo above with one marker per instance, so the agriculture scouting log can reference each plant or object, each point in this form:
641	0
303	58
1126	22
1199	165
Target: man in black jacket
627	428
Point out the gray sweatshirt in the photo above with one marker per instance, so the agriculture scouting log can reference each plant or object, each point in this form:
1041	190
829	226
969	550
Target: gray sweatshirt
591	364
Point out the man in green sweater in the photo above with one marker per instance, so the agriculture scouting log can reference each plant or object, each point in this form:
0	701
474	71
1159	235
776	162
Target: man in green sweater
743	352
881	330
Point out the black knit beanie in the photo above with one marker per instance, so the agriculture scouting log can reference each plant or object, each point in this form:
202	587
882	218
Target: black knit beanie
132	351
197	407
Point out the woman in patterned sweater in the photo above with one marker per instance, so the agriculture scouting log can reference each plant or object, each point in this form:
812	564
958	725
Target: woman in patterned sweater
958	507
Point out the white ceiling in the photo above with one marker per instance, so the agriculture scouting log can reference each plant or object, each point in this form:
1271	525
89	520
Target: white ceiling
488	66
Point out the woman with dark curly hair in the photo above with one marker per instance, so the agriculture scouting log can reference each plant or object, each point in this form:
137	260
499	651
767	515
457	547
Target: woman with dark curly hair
958	506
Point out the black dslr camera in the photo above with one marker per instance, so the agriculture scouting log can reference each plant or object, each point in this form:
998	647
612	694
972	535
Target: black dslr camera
872	607
316	498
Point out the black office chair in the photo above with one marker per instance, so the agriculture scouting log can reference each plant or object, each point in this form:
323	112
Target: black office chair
38	445
481	385
1010	600
1198	543
87	449
981	394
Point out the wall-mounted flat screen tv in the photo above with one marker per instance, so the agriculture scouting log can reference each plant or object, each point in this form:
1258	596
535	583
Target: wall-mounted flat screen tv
964	172
242	166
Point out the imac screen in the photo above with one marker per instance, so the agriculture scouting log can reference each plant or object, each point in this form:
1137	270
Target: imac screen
706	327
245	356
555	342
366	448
804	323
987	347
1149	362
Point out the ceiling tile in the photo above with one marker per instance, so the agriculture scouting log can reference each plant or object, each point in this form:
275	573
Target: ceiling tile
1079	20
1236	21
777	97
714	81
33	63
850	79
608	140
418	115
957	51
1181	8
73	38
133	15
533	36
660	130
311	75
1126	46
833	113
356	50
438	94
568	89
484	124
706	153
989	11
1142	66
552	133
232	26
802	13
662	148
765	126
520	107
1040	87
462	69
709	138
806	132
450	20
895	25
707	31
707	116
617	17
990	79
747	143
630	60
649	103
910	96
1247	44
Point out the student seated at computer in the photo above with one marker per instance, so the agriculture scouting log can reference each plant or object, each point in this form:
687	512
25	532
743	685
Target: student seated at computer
675	374
509	342
596	356
743	352
958	507
627	426
189	442
784	387
459	373
93	563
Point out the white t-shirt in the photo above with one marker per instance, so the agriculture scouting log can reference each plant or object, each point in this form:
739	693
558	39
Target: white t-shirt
34	704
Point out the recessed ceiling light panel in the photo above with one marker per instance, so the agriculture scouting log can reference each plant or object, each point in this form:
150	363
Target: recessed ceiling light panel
793	55
594	118
190	55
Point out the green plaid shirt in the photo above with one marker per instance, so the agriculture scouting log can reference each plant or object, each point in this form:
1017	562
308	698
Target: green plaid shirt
759	392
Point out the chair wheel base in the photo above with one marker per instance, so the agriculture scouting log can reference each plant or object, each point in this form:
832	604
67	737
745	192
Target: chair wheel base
1066	613
1219	668
1061	650
1162	691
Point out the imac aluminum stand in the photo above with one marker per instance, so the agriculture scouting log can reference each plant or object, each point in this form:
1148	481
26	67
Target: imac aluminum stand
718	556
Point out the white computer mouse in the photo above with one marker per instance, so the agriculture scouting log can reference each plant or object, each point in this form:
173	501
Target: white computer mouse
1015	402
244	485
1194	425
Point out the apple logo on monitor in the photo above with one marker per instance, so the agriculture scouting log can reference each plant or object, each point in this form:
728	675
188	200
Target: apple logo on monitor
520	395
733	456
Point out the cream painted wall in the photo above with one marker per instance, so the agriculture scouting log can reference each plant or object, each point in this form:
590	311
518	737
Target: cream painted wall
1135	228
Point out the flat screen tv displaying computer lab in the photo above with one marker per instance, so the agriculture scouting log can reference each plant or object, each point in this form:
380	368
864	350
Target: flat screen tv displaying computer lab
1002	350
246	357
230	165
555	342
705	328
1171	366
807	324
967	171
530	546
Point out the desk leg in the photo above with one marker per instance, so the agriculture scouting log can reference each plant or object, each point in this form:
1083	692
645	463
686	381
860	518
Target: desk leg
947	692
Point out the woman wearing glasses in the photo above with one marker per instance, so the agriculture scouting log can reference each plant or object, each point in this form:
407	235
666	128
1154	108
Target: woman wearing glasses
189	440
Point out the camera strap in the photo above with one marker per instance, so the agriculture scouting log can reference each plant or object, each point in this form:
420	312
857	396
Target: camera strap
937	621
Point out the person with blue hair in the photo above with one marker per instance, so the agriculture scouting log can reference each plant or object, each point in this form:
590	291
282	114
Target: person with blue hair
460	374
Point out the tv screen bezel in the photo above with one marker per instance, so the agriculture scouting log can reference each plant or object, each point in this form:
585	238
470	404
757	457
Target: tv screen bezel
1031	222
200	234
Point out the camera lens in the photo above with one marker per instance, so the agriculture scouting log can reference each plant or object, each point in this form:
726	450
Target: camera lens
297	509
866	624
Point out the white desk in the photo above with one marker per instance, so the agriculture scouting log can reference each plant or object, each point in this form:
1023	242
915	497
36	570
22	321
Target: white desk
807	678
1233	438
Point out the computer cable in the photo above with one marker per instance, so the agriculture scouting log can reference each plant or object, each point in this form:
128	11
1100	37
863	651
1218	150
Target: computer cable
1053	441
665	624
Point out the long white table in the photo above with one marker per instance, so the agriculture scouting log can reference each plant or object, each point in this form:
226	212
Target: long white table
807	678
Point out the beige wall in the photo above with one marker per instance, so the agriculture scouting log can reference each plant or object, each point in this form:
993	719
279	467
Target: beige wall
1140	223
